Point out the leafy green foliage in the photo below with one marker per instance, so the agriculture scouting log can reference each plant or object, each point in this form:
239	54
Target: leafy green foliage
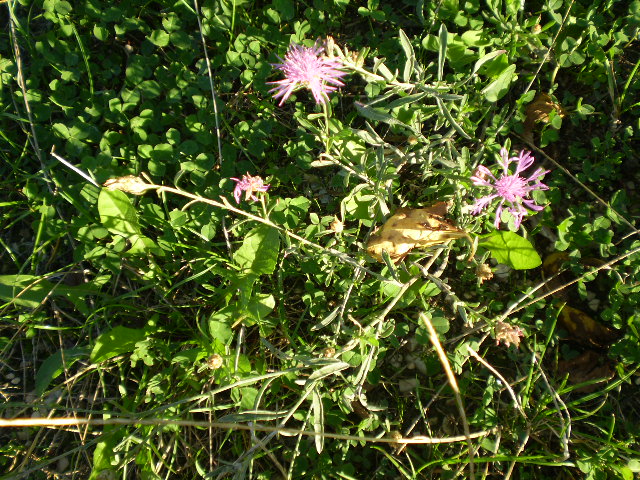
511	249
164	307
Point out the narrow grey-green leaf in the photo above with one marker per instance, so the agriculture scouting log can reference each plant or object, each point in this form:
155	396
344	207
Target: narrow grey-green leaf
378	115
416	97
327	370
445	111
326	320
30	291
443	37
318	418
511	249
410	64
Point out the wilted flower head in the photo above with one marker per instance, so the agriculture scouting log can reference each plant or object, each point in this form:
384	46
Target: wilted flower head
249	185
128	184
511	188
307	67
484	272
508	334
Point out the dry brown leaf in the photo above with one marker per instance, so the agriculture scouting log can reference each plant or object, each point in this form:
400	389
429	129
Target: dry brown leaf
585	330
588	366
581	327
538	111
409	228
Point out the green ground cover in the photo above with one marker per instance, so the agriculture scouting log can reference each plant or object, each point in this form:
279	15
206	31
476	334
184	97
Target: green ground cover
195	278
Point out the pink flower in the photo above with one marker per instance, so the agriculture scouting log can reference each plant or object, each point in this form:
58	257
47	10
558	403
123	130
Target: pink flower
249	185
511	188
306	67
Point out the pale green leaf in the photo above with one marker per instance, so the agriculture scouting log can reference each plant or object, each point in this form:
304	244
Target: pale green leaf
117	214
117	341
55	364
512	250
500	86
258	253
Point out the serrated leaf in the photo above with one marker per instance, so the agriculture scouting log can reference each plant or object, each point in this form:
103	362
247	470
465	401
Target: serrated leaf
511	249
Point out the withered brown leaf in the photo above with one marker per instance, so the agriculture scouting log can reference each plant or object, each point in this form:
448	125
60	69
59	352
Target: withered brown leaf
586	367
581	327
413	227
538	111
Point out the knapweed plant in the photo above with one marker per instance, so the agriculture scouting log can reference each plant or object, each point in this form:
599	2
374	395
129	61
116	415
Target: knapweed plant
328	239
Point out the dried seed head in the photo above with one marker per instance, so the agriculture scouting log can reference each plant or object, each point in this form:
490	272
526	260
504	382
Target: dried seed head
484	272
215	361
508	334
337	226
329	352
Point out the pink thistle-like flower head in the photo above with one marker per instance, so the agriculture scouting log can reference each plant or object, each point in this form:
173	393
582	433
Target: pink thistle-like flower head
249	185
307	67
511	188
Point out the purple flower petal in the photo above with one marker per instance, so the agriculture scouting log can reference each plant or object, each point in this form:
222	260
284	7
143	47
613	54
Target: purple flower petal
249	185
306	67
512	188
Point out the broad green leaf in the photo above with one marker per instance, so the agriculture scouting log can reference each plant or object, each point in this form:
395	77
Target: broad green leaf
220	323
260	306
285	8
30	291
290	211
115	342
258	253
485	59
500	86
117	214
249	395
104	457
512	250
159	38
54	365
